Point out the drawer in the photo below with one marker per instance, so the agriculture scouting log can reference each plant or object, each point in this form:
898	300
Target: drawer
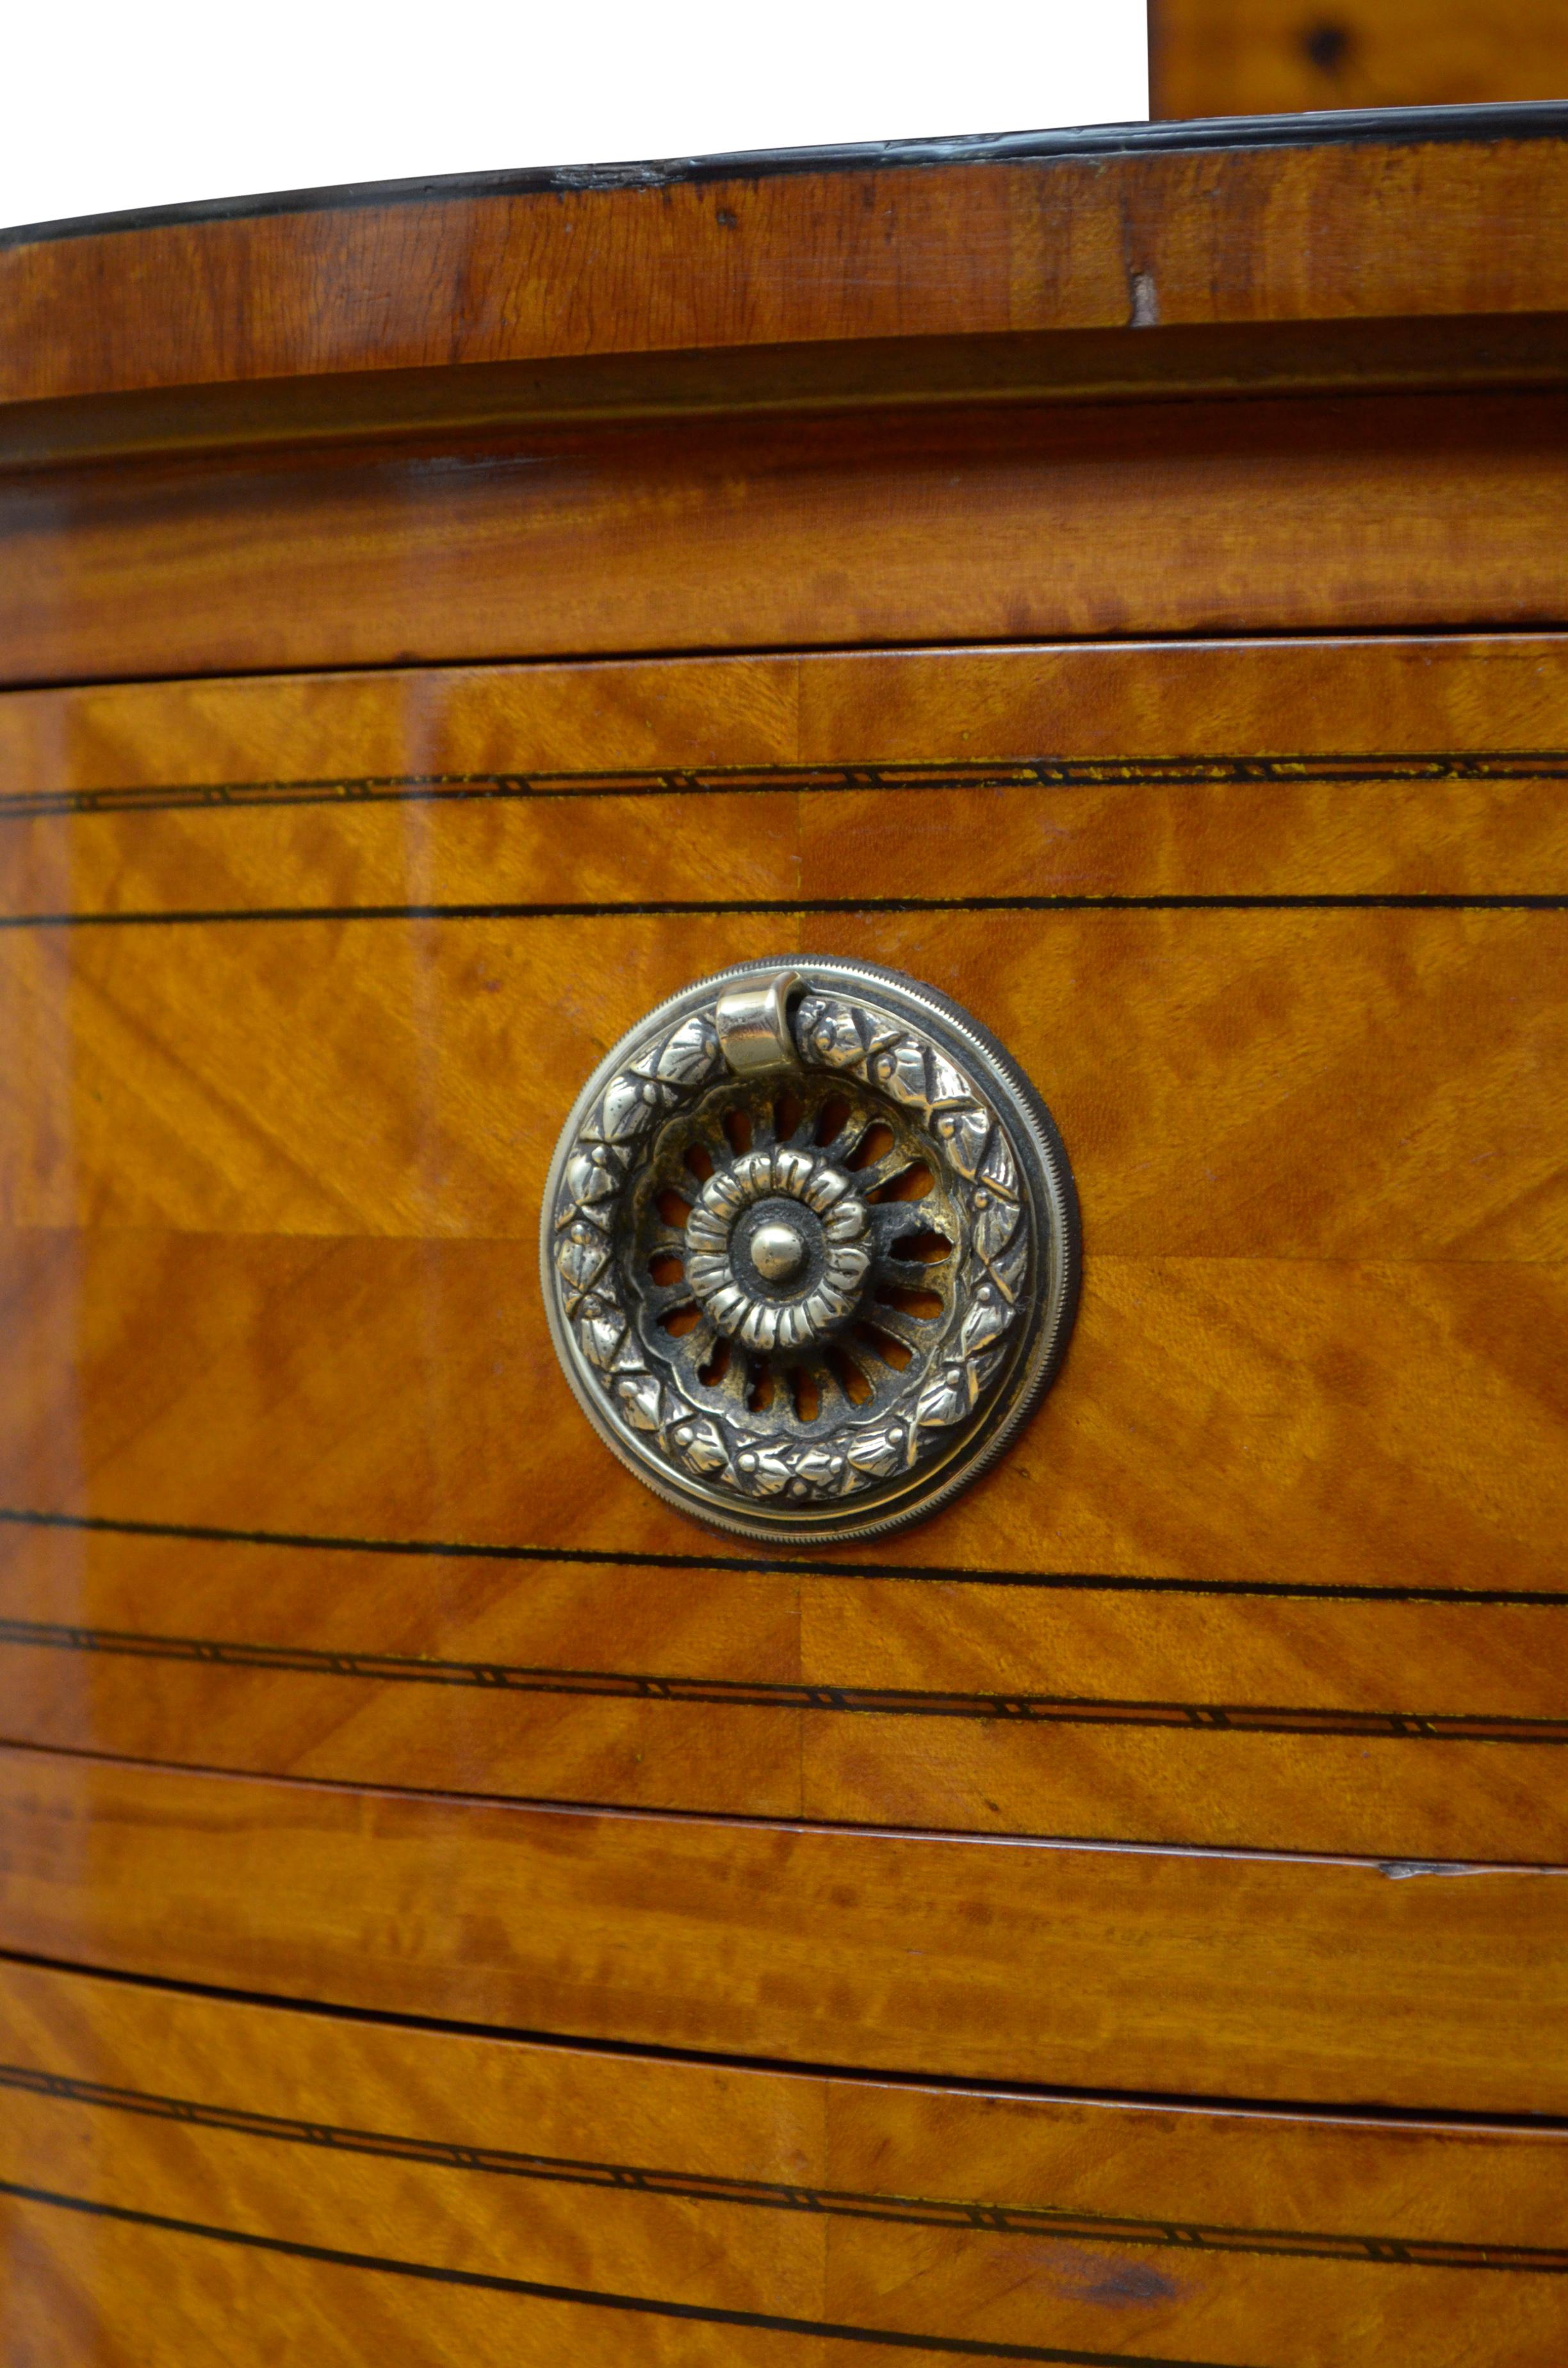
311	2178
1272	1977
303	974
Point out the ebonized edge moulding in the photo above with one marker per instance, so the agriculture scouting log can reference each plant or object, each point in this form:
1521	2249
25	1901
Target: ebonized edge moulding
1347	127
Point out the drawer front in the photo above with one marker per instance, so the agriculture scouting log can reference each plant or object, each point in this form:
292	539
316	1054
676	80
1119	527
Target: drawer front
304	977
1211	1747
226	2166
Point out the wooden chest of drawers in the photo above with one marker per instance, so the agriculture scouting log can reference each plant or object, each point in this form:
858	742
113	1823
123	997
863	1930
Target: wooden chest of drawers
451	1904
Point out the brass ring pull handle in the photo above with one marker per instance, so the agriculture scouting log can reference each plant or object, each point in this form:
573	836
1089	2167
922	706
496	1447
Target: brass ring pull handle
809	1251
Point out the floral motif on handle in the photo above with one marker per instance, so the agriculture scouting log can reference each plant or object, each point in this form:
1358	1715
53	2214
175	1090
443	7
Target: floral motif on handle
887	1056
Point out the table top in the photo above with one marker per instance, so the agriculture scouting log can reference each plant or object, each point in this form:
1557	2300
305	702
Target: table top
1410	214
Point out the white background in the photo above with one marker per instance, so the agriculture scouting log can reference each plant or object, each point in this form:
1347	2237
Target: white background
150	102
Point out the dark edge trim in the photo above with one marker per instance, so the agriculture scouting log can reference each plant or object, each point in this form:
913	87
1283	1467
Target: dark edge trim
792	1566
1336	128
1473	635
823	907
1049	2221
1360	2113
537	2290
1015	1709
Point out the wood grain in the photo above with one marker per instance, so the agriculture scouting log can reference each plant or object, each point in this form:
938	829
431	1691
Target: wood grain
1265	57
87	2290
761	2193
1375	512
1262	1978
1209	1750
1157	770
1332	696
196	1081
1400	225
1424	1730
1399	1425
236	1227
873	376
388	1076
1060	829
340	1249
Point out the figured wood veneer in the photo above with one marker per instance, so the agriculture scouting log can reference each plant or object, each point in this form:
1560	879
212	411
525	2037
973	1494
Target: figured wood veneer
1372	512
727	2199
1213	1748
1428	1728
313	887
1264	57
1409	223
1333	1981
351	1348
1444	1035
1406	695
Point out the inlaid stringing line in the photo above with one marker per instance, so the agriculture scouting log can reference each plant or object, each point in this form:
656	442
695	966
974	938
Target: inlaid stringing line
992	2219
1004	1707
1039	772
